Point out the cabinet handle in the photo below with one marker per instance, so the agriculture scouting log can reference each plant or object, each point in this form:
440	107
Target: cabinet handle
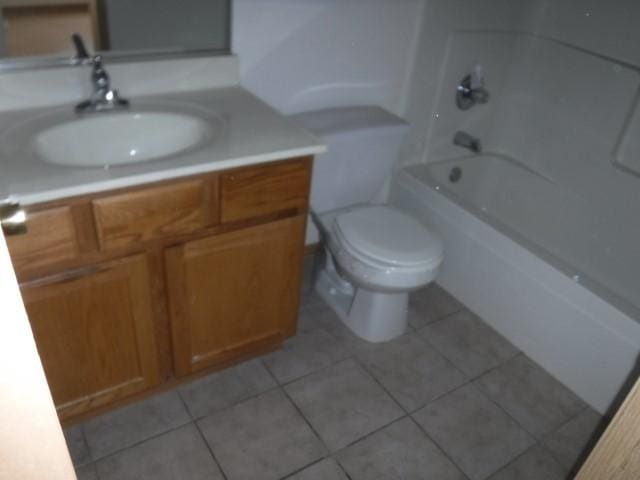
13	218
64	277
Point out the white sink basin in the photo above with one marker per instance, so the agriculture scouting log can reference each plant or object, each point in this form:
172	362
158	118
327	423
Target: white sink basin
120	138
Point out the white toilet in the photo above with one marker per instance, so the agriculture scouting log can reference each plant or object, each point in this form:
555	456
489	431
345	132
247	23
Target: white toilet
374	254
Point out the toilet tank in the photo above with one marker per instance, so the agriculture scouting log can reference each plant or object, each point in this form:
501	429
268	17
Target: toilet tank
363	144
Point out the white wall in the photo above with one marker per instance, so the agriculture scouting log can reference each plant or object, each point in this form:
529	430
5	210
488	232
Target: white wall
304	54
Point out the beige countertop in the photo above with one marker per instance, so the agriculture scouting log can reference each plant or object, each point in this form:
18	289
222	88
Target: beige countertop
246	131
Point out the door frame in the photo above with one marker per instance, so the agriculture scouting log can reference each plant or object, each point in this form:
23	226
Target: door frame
32	444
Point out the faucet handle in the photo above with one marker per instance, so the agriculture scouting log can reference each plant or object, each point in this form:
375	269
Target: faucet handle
470	90
82	55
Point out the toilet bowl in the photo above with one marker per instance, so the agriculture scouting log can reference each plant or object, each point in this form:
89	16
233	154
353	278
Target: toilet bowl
374	254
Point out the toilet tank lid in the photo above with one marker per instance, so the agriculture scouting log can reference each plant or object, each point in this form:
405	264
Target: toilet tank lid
330	121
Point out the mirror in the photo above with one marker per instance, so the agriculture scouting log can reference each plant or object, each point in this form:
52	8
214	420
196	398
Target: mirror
38	32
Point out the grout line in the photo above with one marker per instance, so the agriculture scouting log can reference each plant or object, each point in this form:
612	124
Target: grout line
439	447
448	316
152	437
538	438
95	470
512	461
512	418
85	444
371	433
289	475
344	470
384	389
184	403
306	375
236	403
213	455
430	345
435	399
295	406
590	443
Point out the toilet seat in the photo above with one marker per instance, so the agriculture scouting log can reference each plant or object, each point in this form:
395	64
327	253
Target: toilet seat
387	238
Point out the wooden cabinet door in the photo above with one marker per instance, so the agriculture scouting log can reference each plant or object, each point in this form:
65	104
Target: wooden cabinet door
94	331
234	293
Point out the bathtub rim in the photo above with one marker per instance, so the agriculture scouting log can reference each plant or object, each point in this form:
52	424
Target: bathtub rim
573	274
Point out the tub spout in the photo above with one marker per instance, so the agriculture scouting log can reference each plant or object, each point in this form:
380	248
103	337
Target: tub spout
463	139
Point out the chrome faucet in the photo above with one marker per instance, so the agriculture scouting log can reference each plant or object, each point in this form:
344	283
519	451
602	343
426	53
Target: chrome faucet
463	139
103	98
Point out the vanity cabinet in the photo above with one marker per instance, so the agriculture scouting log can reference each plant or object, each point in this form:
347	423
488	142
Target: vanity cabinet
133	289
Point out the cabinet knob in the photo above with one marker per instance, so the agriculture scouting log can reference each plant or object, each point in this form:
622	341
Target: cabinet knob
13	218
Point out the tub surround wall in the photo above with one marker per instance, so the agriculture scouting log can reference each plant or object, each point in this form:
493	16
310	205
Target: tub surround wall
561	103
606	28
440	19
586	25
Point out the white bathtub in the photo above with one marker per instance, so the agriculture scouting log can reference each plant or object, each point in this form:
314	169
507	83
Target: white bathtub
539	264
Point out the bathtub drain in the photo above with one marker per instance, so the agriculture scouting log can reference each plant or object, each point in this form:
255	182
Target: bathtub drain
455	174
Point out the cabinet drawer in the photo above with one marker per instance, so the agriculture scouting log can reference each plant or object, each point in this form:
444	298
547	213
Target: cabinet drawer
256	191
50	239
149	213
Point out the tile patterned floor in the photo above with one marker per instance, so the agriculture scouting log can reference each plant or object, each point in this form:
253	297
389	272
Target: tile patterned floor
449	400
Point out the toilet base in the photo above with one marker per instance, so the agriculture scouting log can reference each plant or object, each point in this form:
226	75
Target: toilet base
373	316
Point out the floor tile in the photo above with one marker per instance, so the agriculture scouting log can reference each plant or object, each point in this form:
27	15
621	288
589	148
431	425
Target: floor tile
309	299
535	464
76	444
539	402
472	345
413	372
400	450
223	389
264	437
571	443
430	304
310	318
307	352
329	321
87	472
306	286
326	469
134	423
473	431
175	455
343	403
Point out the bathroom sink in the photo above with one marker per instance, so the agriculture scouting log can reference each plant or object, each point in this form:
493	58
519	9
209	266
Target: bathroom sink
120	138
